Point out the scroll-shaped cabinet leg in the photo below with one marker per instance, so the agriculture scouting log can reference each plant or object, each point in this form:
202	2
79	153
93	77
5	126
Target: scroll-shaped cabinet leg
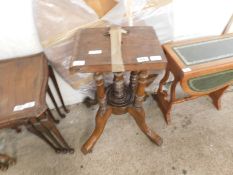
167	112
163	81
217	96
138	113
161	97
54	80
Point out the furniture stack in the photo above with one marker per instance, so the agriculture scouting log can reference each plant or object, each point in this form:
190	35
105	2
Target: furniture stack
23	88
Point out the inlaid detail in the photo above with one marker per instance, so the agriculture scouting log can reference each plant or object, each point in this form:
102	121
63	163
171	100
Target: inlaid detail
207	51
211	81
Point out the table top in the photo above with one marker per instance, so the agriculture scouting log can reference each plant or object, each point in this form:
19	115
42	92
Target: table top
23	86
203	53
140	48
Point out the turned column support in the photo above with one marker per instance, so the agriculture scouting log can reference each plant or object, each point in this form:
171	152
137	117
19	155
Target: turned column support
101	96
120	99
133	81
140	92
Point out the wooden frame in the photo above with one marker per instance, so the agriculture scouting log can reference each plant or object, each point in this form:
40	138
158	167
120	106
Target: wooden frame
176	66
31	75
119	97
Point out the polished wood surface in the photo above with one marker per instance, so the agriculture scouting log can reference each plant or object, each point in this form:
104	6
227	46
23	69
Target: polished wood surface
119	97
166	99
25	80
177	66
137	42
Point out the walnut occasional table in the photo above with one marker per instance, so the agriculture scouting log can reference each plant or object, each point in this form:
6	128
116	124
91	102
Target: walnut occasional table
201	66
141	51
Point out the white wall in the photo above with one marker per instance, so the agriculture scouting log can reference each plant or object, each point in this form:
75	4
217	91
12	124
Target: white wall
197	18
18	36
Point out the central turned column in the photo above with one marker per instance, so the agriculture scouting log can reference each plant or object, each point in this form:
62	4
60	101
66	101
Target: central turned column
119	95
118	85
121	99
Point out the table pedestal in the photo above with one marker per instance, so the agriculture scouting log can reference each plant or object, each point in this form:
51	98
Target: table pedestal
120	99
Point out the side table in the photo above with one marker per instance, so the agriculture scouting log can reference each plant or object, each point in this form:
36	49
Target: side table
120	50
201	66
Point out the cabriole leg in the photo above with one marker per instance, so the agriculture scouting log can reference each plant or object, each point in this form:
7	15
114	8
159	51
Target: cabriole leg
217	96
102	115
138	113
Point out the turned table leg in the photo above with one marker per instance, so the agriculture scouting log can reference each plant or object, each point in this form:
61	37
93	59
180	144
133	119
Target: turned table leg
54	80
102	115
138	113
55	103
33	126
133	81
55	134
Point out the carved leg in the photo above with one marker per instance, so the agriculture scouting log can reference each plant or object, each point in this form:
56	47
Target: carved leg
102	115
168	108
165	104
138	113
54	103
100	123
217	96
34	128
133	81
163	81
54	80
6	161
54	134
139	117
52	116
